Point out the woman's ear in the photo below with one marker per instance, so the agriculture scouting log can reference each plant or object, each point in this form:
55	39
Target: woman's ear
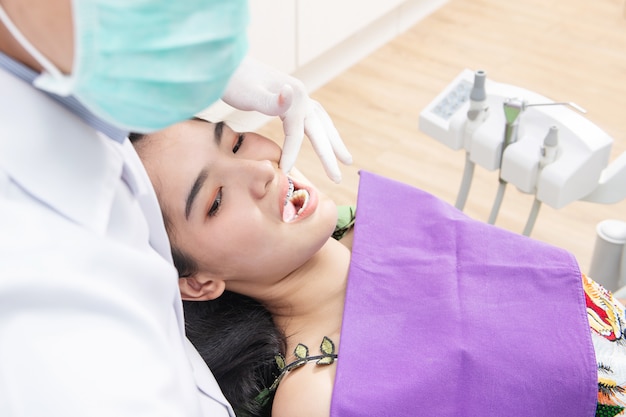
199	287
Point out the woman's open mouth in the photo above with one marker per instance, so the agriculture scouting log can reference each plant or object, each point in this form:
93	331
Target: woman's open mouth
296	201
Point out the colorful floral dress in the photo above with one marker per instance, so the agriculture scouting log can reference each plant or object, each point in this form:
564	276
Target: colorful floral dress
607	320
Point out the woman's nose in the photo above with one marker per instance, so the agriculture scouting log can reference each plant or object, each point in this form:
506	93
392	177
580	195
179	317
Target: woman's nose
259	176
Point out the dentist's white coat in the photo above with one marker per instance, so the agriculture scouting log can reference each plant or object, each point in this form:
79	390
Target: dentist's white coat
90	315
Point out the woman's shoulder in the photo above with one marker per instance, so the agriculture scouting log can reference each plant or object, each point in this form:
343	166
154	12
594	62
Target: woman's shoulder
306	383
305	392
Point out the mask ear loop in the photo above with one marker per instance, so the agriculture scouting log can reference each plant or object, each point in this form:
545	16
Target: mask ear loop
21	39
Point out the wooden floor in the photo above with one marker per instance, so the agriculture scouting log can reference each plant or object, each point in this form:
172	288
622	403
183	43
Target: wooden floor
572	50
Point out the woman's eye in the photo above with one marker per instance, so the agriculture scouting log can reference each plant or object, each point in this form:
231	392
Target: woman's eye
240	139
217	203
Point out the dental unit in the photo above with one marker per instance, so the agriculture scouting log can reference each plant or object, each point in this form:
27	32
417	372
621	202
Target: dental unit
544	148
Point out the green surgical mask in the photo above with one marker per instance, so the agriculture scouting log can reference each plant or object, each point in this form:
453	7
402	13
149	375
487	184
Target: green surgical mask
146	64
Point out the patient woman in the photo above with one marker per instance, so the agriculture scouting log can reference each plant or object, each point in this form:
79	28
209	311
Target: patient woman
430	313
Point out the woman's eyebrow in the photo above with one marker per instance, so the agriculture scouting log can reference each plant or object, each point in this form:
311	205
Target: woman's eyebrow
195	188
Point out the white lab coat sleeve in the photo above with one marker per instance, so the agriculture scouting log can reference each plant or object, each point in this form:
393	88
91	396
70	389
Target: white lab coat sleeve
83	330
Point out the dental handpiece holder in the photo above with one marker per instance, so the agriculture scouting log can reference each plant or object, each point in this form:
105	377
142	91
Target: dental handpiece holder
513	109
511	140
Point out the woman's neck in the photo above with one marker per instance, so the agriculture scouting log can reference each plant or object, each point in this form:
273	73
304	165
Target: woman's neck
310	300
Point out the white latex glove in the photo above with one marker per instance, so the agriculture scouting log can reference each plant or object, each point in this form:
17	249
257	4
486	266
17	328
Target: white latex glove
256	86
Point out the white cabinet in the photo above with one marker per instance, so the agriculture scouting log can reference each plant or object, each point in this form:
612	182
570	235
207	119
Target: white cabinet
290	34
323	24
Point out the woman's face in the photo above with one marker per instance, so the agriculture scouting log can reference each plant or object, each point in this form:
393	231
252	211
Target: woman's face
228	205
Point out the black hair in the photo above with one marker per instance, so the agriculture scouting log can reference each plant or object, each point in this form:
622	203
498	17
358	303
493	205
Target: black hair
135	137
237	338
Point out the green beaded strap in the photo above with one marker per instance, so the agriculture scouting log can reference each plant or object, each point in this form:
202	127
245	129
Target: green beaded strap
328	356
605	410
346	216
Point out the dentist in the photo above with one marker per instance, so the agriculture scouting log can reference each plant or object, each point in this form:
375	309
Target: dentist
90	313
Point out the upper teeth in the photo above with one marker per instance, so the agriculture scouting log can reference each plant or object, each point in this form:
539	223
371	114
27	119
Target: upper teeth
290	191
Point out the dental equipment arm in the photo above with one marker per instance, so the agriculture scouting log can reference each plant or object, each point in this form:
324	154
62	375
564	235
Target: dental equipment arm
611	188
256	86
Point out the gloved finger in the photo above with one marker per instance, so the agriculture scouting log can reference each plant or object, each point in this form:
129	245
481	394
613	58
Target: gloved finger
293	126
276	104
321	144
339	148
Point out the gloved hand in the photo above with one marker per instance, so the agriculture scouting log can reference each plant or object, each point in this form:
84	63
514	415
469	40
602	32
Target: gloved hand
255	86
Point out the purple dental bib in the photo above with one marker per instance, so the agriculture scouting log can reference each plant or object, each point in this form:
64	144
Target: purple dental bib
448	316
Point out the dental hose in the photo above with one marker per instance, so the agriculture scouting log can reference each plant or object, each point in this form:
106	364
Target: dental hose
466	182
495	209
532	217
